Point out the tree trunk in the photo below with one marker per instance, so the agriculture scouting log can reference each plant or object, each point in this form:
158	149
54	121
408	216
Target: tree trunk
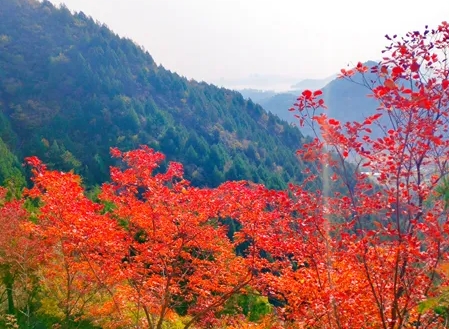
8	281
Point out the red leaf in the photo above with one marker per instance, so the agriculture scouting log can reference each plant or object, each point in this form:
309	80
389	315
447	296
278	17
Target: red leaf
376	116
397	71
334	122
414	67
390	84
307	94
33	161
445	84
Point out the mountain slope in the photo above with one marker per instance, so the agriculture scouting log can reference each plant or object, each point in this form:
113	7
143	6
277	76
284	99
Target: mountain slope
313	83
70	89
346	100
256	95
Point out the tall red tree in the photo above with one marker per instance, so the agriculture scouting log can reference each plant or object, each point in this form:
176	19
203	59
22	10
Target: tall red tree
19	256
83	247
179	255
380	242
156	247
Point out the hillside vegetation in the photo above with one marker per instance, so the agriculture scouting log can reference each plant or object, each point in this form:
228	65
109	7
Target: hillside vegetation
70	89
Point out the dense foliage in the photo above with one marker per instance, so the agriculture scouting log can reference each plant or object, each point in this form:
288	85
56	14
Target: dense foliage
70	89
148	249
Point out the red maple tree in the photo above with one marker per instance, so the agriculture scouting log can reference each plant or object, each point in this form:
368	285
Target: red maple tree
81	247
19	256
180	257
156	246
380	242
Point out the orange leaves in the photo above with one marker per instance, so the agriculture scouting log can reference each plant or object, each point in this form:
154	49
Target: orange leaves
20	254
346	73
396	226
310	155
160	234
361	68
82	245
390	84
360	253
18	247
34	162
320	119
181	252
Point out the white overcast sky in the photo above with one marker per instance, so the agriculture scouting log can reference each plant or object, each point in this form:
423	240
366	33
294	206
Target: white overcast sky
233	39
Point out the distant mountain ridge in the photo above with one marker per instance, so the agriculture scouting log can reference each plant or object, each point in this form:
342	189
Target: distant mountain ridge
313	83
70	89
258	81
260	95
346	100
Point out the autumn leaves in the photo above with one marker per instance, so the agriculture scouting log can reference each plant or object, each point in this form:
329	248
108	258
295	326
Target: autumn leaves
352	252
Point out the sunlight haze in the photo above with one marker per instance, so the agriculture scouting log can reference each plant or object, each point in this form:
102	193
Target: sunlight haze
259	43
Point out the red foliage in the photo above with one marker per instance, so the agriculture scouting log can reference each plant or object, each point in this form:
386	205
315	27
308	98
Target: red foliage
157	244
382	242
179	253
362	254
19	253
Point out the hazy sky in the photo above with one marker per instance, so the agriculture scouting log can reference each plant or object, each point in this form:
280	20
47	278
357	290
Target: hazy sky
234	39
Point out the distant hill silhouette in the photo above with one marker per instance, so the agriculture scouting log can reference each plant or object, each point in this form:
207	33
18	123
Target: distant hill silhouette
257	95
346	100
313	83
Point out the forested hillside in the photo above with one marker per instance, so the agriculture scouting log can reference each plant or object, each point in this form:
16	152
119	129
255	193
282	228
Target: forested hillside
70	89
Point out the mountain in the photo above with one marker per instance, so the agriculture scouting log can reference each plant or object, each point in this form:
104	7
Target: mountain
263	96
313	84
346	100
258	81
70	89
279	104
257	95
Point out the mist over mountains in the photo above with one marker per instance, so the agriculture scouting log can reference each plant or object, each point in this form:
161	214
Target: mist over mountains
346	100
